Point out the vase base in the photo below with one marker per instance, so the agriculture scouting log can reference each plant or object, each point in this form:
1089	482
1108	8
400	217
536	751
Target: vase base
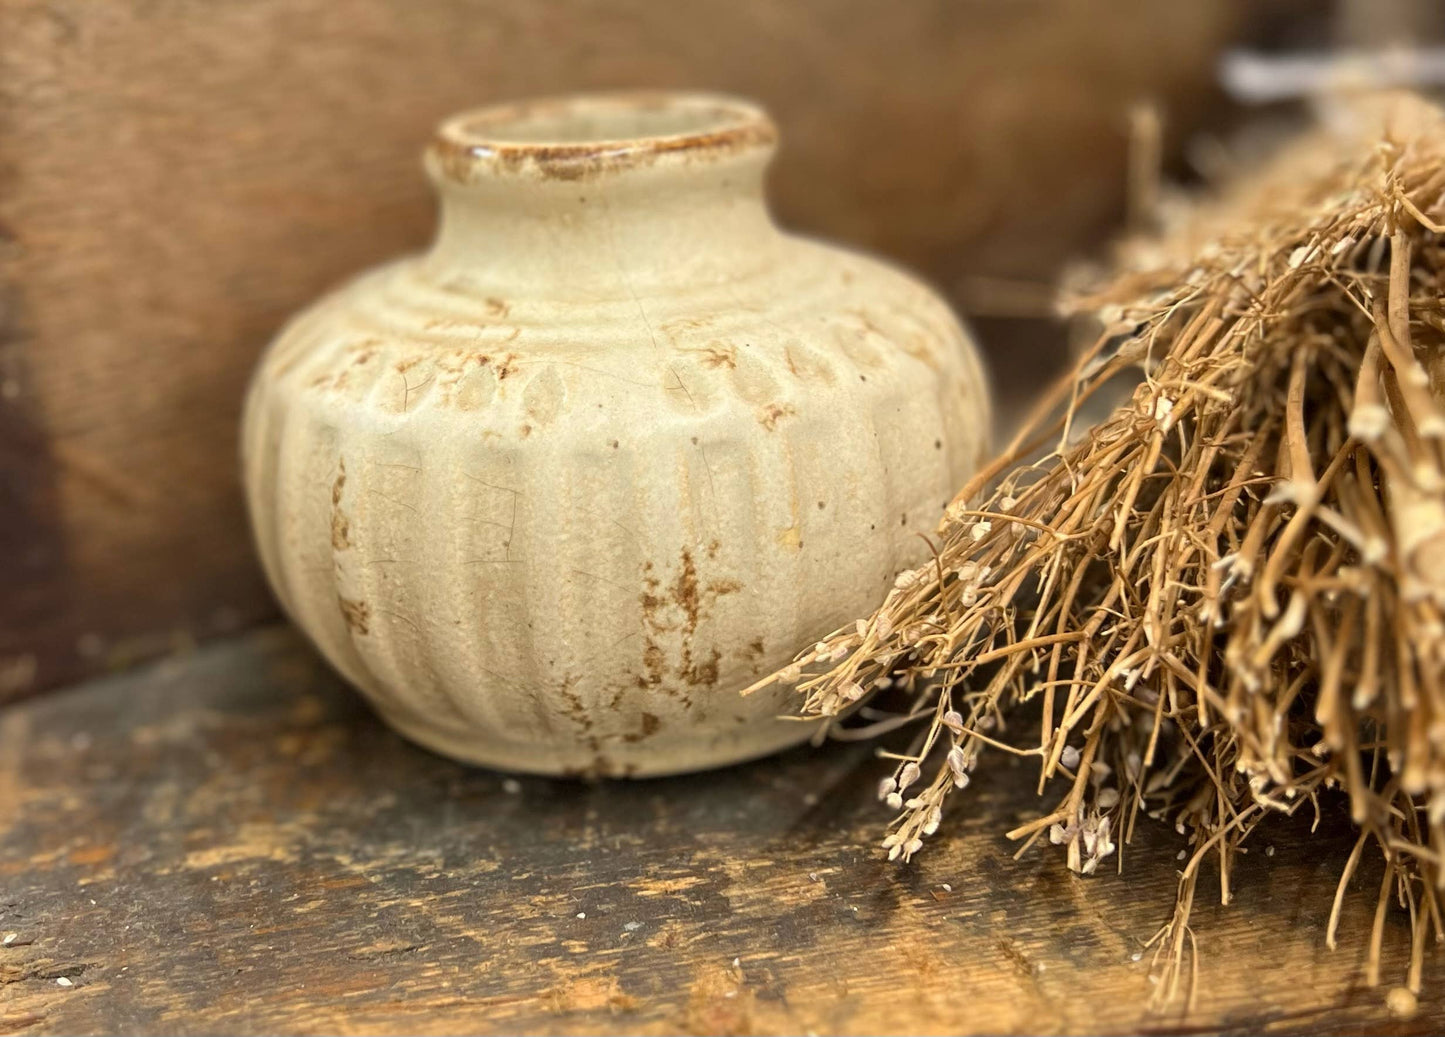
621	760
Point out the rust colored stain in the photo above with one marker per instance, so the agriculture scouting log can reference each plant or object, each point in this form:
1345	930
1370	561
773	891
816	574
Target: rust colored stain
773	413
716	356
656	666
357	615
650	726
576	708
684	592
677	608
700	674
340	524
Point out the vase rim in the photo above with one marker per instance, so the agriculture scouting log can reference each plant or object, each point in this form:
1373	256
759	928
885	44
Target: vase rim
583	136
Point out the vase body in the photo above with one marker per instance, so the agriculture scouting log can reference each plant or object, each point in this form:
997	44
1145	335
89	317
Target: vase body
552	492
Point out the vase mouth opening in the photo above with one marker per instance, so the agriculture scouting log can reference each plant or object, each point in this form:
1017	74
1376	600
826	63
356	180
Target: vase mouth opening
591	135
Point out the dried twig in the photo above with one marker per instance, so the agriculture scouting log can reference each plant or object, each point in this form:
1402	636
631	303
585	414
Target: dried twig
1230	593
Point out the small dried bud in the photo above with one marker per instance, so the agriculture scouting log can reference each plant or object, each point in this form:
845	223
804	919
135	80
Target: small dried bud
914	845
1069	757
886	786
852	691
957	762
894	801
791	674
1107	799
908	775
953	721
935	818
894	851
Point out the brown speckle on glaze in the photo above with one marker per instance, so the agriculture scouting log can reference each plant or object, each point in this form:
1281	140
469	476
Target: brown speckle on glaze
357	615
340	525
770	415
718	355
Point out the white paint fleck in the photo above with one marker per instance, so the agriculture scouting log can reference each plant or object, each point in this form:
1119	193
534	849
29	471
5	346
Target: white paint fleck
64	981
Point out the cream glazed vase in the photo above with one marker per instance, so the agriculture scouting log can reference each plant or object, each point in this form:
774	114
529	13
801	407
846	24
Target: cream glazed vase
553	491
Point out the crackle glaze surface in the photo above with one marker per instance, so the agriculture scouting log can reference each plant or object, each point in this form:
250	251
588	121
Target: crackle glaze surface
550	493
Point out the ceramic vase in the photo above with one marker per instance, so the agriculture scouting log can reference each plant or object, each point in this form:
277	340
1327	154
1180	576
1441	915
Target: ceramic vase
552	491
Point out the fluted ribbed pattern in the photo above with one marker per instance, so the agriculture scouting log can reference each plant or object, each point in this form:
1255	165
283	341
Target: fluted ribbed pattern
560	538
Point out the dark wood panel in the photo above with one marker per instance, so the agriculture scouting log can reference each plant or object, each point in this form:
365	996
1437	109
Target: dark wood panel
229	842
177	177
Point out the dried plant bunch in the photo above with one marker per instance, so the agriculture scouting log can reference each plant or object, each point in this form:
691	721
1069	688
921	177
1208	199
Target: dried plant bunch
1228	594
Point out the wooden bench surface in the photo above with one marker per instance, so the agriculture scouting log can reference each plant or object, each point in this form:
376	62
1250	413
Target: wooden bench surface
230	842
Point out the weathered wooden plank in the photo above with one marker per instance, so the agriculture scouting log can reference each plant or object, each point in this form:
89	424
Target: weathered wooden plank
176	178
230	842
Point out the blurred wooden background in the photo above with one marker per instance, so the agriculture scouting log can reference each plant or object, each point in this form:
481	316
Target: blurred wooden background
177	177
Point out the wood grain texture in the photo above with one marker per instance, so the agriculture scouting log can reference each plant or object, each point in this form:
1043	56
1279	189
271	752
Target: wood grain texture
176	178
231	843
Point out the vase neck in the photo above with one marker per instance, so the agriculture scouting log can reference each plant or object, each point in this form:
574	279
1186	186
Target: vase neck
603	197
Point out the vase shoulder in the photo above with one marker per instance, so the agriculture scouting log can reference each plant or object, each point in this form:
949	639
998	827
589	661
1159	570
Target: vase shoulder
825	322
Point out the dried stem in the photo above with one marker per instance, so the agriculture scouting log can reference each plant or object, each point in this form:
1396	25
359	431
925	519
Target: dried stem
1229	594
